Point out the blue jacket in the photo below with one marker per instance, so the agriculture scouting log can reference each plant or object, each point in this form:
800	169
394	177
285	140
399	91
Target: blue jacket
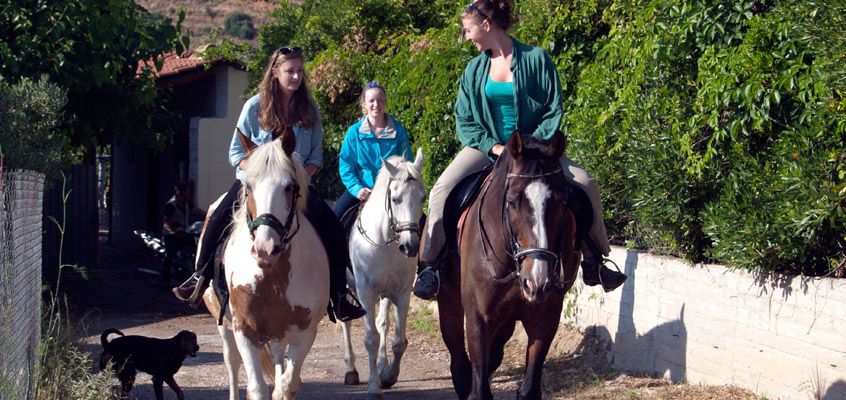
309	148
362	153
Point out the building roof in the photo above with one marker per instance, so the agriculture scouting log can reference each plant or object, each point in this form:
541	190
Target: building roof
174	64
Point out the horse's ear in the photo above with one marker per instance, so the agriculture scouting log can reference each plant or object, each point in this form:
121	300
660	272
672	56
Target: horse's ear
418	159
393	170
558	144
246	143
515	144
289	141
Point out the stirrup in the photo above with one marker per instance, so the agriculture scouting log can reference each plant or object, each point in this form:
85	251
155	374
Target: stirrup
602	265
425	277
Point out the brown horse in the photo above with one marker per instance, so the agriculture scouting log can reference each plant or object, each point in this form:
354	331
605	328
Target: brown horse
518	258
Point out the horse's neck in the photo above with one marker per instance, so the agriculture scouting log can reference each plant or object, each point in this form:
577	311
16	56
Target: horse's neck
374	216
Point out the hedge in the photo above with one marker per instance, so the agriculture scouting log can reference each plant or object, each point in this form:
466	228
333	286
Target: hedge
715	128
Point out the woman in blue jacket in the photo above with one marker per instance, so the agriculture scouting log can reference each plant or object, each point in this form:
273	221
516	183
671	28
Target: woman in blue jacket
373	138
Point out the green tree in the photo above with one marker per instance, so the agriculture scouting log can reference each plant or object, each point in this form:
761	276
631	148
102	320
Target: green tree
91	48
239	25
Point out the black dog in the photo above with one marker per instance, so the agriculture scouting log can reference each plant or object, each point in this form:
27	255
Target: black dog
160	358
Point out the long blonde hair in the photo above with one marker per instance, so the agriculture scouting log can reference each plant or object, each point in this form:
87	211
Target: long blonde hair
271	115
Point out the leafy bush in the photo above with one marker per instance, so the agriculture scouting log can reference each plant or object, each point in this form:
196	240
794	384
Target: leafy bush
31	111
239	25
715	128
92	48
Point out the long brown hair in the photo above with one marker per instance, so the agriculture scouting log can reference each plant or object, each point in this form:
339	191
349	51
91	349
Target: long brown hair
271	115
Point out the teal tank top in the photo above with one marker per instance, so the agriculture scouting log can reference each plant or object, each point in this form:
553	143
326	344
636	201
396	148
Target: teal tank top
500	96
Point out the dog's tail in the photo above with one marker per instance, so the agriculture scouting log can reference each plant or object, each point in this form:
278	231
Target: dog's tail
104	337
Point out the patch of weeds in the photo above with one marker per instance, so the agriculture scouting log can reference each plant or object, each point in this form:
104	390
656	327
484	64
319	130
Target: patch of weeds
423	321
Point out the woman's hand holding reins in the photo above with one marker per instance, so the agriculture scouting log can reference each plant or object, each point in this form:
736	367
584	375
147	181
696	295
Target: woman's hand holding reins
363	194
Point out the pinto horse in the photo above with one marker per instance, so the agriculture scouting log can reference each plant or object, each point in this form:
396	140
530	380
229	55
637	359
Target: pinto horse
277	273
518	258
383	245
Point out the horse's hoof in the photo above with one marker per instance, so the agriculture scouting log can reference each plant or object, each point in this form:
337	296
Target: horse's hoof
351	378
386	383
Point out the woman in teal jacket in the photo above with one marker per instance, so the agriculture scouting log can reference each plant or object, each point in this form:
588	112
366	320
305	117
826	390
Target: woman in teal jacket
509	86
373	138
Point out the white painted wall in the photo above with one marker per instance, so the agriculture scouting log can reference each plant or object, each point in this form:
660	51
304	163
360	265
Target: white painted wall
782	337
210	137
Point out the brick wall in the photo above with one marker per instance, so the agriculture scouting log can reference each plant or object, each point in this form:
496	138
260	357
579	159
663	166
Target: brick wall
782	337
20	300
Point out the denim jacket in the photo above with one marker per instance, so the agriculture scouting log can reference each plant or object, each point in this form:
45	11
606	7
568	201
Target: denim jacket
309	148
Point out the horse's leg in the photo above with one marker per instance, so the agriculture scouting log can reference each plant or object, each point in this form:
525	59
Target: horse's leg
371	339
479	342
451	317
540	333
297	351
498	346
251	356
350	373
399	343
231	358
383	321
277	356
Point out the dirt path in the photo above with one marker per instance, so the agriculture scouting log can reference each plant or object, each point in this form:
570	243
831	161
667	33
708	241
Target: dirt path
116	296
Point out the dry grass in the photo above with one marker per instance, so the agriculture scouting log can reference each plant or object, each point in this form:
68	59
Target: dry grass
204	18
577	368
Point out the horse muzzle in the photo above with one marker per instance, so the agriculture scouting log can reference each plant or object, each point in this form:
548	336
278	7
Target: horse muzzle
410	247
266	253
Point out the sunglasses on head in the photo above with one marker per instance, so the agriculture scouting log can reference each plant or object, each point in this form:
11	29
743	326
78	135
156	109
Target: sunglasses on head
289	50
374	84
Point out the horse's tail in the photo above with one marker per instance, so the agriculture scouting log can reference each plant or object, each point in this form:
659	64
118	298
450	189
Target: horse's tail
267	366
104	338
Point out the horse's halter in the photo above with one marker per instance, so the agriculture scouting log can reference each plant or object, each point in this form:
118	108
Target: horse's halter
397	227
270	220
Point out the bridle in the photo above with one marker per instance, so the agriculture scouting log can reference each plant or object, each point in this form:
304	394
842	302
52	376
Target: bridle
517	252
396	227
270	220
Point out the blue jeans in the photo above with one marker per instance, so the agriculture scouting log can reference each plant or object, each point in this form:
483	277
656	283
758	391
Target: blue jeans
344	203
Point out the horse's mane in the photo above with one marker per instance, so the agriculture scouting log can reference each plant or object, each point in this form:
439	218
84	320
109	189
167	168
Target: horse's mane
408	170
270	159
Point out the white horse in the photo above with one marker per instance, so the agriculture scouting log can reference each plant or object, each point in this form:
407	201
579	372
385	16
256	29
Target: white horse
277	272
383	249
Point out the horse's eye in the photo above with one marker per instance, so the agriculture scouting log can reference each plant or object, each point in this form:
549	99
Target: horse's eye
510	203
396	199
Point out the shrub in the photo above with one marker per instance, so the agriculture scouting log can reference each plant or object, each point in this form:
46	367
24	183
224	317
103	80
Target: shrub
239	25
715	128
31	111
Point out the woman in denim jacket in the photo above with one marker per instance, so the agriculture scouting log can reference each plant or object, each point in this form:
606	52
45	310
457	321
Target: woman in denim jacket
284	102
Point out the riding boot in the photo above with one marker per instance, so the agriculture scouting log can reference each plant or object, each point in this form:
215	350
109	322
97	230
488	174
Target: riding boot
596	273
191	291
428	281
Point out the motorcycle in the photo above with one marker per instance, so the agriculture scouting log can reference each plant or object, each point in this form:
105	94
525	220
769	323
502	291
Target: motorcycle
182	265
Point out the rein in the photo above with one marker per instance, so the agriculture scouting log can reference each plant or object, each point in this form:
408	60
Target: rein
397	227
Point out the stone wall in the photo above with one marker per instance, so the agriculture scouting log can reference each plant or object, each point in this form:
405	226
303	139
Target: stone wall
782	337
20	280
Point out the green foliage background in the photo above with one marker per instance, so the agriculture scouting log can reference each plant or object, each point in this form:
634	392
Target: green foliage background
715	128
91	49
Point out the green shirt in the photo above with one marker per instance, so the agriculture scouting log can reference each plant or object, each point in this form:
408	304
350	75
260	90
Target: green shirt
537	98
500	97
